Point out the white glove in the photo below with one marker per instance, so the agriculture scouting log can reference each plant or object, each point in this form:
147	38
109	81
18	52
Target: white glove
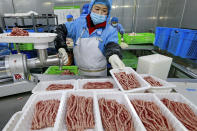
116	62
123	45
63	55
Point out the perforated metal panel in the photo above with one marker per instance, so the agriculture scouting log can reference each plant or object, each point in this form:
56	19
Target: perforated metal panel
146	15
125	11
171	13
190	19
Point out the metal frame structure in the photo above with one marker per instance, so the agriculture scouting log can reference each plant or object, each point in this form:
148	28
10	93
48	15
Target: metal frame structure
34	19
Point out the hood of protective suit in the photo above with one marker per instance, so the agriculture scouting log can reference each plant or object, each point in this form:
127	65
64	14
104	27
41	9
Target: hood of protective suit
109	10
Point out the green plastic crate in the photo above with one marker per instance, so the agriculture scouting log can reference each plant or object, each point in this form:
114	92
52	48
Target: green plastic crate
128	55
119	38
139	38
25	46
130	62
129	59
54	70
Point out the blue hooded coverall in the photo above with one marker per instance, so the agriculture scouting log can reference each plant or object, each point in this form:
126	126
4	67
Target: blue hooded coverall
108	44
119	27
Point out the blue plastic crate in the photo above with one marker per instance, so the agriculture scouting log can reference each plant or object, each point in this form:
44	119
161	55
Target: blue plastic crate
191	52
4	45
29	54
8	30
38	30
29	30
183	43
162	37
4	51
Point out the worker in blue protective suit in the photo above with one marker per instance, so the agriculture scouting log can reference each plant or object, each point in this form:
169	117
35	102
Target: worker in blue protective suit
95	41
118	26
85	9
69	18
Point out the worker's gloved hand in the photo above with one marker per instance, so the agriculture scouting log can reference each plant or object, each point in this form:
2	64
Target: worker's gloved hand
123	45
116	62
122	32
63	55
60	40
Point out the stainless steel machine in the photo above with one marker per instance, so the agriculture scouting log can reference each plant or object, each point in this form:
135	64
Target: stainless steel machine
14	69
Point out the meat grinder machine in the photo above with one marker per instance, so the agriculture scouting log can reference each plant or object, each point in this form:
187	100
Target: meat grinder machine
15	76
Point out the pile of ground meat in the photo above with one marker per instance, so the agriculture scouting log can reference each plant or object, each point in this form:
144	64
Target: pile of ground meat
115	116
67	72
59	87
79	113
152	82
127	81
151	116
18	32
98	85
183	113
45	113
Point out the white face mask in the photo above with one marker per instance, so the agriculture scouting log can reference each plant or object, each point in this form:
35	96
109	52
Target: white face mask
115	24
97	19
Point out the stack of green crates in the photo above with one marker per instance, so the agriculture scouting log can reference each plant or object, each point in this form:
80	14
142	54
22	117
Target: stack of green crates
139	38
25	46
119	38
55	70
129	59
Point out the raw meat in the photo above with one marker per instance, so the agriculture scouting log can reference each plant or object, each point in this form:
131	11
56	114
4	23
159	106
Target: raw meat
67	72
18	32
133	34
127	81
98	85
45	114
151	116
59	87
152	82
115	116
79	113
183	113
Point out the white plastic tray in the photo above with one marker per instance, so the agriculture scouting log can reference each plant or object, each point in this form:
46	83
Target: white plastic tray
61	124
24	124
13	121
41	86
167	87
32	38
28	103
144	84
177	98
121	98
82	82
150	97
